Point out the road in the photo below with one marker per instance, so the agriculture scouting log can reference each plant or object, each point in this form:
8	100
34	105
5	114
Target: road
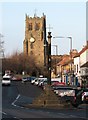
18	94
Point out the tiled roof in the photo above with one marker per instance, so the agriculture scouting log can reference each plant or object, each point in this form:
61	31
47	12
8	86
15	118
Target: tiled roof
78	55
83	50
64	60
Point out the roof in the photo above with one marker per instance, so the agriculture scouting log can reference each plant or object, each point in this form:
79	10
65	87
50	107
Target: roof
83	50
64	61
68	61
85	65
6	76
78	55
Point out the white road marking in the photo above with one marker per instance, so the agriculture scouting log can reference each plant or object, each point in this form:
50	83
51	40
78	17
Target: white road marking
18	118
13	103
3	113
18	96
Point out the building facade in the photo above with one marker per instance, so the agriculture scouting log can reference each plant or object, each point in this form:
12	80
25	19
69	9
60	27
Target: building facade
84	65
77	69
34	44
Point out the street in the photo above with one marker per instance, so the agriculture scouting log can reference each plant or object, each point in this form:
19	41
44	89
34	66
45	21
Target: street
19	94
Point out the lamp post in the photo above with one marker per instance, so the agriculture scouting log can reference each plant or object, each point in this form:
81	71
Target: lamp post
70	50
70	42
56	48
70	38
55	58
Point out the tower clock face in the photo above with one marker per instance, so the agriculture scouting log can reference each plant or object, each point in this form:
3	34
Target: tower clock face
32	40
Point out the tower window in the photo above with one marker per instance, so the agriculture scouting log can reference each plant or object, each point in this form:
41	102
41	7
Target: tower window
31	45
42	35
37	26
30	26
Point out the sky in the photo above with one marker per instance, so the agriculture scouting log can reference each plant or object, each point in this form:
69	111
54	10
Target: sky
65	18
86	20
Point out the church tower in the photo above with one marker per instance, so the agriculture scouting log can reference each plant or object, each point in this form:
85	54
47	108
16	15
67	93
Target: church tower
34	44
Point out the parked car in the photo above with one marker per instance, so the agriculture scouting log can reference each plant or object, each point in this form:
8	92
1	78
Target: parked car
36	81
31	78
24	79
42	82
16	78
6	80
33	81
44	85
28	79
56	79
70	94
57	83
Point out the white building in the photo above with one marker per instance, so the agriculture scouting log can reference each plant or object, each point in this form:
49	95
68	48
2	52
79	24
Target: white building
77	67
84	63
81	65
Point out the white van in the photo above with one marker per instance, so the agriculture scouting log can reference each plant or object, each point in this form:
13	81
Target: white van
6	80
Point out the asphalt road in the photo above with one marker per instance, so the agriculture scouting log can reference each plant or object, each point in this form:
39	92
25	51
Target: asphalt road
18	94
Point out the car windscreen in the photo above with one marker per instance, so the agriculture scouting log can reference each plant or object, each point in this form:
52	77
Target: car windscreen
6	78
66	92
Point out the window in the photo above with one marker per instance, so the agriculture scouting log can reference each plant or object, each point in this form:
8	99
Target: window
31	45
77	68
30	26
37	26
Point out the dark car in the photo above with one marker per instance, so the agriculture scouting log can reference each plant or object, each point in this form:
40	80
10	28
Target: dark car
71	95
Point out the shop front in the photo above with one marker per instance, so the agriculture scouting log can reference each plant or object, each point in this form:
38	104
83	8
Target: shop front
84	76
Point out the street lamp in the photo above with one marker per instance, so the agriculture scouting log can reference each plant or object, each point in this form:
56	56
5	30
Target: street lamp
70	51
56	46
70	47
66	37
70	44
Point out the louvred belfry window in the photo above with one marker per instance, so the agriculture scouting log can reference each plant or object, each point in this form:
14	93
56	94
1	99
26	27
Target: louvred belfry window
30	26
37	26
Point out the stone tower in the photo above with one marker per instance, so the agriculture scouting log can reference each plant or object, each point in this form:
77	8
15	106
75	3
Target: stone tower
34	44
